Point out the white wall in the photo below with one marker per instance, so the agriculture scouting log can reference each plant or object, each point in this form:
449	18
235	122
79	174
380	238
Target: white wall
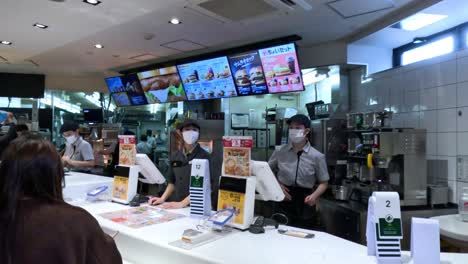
377	59
332	53
427	95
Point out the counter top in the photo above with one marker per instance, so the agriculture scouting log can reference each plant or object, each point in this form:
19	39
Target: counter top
148	244
453	227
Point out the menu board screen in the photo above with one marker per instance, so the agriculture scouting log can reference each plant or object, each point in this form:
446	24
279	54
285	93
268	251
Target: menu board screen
128	84
248	73
134	89
121	99
118	92
281	69
208	79
162	85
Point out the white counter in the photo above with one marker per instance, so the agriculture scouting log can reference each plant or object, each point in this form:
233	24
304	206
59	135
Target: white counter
77	184
453	227
151	244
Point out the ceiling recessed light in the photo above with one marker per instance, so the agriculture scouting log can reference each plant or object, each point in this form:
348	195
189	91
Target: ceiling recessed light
41	26
92	2
98	46
4	42
175	21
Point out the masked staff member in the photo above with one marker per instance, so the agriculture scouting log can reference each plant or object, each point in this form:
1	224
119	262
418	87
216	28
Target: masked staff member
179	173
78	155
299	167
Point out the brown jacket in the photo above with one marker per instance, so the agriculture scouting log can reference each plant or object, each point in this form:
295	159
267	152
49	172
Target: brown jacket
61	233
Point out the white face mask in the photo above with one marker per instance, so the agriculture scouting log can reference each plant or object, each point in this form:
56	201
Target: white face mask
296	135
190	137
71	139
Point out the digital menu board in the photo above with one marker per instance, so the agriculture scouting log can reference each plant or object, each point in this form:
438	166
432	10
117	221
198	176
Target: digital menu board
129	85
121	99
207	79
248	73
162	85
281	69
118	92
134	90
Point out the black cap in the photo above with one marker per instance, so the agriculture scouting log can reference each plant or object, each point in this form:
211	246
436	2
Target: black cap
187	123
301	119
69	126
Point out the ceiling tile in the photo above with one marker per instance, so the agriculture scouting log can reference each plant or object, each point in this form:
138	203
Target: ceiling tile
183	45
352	8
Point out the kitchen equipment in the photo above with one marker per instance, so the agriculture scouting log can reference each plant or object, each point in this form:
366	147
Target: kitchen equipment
341	192
399	160
369	120
438	194
351	120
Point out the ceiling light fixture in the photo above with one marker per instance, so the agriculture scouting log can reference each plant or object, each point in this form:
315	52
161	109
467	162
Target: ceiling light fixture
418	21
4	42
175	21
92	2
98	46
41	26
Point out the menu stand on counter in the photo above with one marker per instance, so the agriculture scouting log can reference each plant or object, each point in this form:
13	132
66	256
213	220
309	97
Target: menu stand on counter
125	183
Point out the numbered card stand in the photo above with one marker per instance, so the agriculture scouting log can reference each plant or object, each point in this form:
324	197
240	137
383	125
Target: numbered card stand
200	189
238	194
384	227
125	183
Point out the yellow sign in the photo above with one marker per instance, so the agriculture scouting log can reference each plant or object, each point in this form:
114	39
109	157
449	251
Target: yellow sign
234	201
120	187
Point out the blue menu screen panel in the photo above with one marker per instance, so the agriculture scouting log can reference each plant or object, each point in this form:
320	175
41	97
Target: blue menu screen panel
207	79
121	99
115	85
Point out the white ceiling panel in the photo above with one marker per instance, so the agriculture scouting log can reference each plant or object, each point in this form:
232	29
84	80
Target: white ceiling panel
121	26
351	8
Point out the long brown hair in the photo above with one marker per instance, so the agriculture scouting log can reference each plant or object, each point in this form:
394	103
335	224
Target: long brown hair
31	168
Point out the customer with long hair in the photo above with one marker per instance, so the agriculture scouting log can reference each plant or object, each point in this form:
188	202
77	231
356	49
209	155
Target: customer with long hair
36	225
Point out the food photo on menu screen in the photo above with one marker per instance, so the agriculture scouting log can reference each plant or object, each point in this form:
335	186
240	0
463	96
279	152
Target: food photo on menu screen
162	85
248	73
208	79
134	90
281	69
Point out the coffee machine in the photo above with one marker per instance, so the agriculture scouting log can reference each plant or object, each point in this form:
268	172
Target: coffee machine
397	158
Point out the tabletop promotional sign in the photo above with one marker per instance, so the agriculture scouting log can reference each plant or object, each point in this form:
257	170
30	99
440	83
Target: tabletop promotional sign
237	156
200	189
127	150
384	227
125	183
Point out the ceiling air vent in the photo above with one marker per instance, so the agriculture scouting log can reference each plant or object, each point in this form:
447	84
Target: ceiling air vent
292	4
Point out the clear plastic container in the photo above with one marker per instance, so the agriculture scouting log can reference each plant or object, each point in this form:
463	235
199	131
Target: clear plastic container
463	204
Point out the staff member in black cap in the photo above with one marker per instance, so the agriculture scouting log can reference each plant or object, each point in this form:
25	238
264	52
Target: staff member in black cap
180	169
79	153
299	167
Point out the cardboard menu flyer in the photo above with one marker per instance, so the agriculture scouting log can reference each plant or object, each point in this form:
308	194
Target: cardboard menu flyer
236	156
141	216
162	85
248	73
281	69
232	200
127	150
208	79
